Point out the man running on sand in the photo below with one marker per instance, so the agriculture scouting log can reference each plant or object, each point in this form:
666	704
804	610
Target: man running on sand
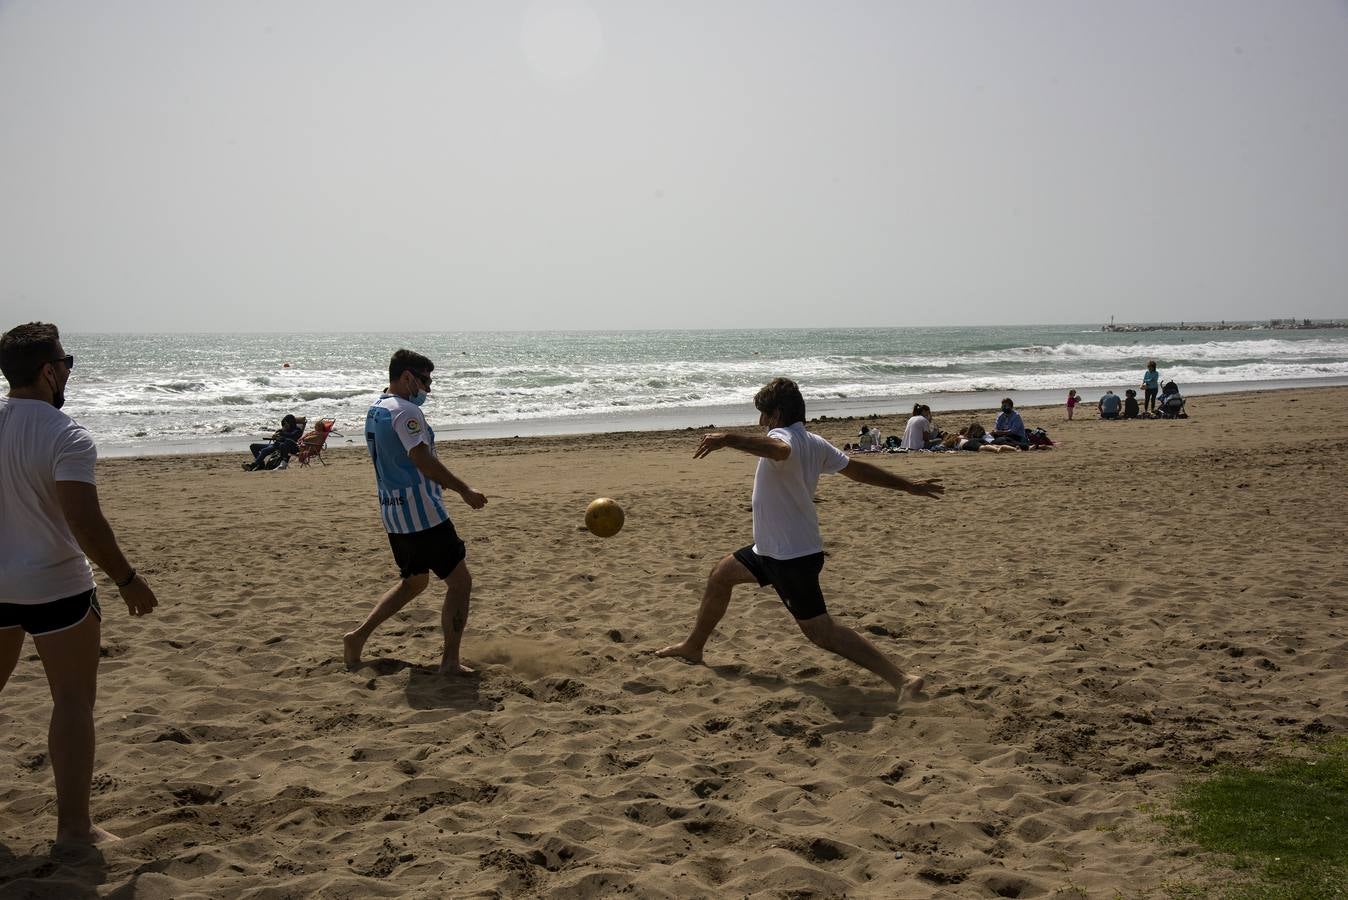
50	521
788	552
409	478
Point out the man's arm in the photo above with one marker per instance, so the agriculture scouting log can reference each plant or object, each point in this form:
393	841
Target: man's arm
866	473
79	503
432	468
753	444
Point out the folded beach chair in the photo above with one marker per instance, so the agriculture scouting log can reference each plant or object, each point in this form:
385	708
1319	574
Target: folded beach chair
311	445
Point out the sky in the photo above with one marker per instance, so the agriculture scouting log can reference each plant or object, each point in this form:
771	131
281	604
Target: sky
392	166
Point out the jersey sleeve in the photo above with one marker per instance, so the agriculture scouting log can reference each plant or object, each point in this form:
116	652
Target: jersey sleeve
409	425
75	456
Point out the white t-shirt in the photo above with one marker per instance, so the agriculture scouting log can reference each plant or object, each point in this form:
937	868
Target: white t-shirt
915	433
40	560
785	523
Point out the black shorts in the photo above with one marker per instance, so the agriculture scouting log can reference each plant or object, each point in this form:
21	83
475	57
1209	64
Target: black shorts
437	550
796	581
50	617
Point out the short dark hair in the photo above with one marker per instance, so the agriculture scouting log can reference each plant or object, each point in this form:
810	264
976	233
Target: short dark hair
1006	400
408	361
782	396
25	349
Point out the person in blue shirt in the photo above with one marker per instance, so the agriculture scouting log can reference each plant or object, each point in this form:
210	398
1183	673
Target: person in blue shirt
1009	429
409	478
286	438
1109	405
1151	380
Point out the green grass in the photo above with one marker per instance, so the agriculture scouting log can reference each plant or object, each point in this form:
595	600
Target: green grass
1285	824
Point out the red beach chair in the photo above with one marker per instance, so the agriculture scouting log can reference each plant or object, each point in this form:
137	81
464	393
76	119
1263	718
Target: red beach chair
311	445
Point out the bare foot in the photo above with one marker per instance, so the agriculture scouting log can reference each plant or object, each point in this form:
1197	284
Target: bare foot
454	669
352	644
682	651
912	687
94	835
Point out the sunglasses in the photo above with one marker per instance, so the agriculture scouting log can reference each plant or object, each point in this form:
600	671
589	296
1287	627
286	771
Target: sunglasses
68	360
422	377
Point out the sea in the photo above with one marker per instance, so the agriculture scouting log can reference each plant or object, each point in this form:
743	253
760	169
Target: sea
145	394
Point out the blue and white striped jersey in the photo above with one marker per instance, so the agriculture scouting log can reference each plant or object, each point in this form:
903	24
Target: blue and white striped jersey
408	501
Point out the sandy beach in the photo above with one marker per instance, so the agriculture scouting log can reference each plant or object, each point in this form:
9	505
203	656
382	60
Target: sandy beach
1095	622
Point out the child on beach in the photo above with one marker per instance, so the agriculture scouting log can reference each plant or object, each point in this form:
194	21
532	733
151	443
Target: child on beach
1072	400
788	551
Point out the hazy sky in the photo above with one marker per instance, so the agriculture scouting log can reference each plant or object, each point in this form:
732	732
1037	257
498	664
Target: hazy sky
171	166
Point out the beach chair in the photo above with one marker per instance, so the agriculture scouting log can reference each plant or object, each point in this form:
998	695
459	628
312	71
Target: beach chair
312	444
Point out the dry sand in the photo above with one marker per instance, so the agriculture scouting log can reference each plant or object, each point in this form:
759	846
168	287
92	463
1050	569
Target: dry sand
1095	622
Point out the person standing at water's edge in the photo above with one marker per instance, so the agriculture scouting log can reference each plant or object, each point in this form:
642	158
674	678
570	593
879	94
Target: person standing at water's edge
788	551
409	478
50	521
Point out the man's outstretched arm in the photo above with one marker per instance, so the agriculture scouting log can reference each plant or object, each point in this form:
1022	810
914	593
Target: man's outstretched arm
867	473
427	463
753	444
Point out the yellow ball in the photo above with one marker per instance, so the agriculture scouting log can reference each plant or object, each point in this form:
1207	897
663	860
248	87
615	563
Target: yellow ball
604	517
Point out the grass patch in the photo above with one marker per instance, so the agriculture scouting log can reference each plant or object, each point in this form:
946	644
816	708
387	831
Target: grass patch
1286	824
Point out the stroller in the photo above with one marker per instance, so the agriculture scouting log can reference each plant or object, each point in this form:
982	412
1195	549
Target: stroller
1171	403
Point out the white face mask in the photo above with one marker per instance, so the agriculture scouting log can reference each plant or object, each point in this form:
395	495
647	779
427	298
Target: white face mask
418	398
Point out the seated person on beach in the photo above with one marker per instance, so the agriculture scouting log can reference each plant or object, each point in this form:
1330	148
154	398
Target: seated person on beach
1109	405
286	438
866	441
319	434
1130	409
1009	429
918	431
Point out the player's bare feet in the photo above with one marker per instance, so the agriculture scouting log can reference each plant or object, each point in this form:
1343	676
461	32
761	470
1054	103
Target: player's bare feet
682	651
454	669
352	644
912	687
86	837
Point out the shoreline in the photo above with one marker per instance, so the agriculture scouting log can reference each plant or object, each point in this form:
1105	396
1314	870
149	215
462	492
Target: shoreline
698	418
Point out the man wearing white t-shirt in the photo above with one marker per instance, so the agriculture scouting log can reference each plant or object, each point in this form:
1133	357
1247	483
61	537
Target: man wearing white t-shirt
788	551
50	521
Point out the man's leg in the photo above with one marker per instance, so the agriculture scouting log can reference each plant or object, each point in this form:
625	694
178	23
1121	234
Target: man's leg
70	658
715	600
454	618
395	599
845	642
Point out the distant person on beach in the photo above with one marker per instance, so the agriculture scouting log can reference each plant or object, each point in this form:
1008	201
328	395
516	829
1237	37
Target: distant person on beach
1130	410
1109	405
51	525
1151	380
788	550
1073	399
409	478
918	430
287	437
1009	429
971	439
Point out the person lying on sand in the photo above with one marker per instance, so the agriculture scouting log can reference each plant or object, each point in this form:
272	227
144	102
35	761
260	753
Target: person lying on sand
788	550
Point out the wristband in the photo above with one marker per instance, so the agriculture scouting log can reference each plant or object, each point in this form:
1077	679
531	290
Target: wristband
130	578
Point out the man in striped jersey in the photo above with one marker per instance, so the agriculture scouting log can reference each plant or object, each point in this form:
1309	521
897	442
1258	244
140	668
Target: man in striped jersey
409	477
